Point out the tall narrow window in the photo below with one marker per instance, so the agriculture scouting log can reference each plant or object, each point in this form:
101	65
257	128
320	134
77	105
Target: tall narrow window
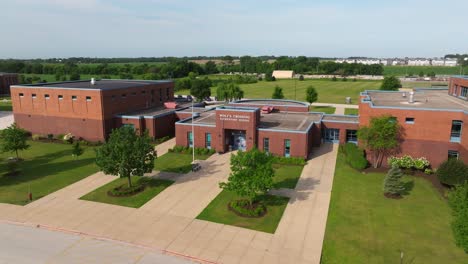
160	95
287	148
351	136
167	93
455	134
464	91
208	140
190	139
266	145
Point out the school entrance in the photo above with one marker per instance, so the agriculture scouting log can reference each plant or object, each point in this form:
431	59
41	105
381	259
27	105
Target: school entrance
236	139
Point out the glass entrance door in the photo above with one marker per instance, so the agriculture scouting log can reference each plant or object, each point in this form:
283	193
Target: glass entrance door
238	141
332	135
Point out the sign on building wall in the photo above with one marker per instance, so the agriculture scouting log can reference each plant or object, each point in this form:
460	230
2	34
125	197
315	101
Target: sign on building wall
234	117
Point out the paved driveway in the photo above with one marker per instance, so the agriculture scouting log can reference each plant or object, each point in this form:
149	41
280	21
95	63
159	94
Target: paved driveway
167	222
25	244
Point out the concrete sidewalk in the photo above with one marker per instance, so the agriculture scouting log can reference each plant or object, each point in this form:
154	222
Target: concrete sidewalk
168	223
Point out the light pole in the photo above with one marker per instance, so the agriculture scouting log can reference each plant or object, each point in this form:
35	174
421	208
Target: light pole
193	137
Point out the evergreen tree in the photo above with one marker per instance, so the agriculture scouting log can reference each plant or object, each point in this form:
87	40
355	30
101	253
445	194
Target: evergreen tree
77	150
392	183
278	93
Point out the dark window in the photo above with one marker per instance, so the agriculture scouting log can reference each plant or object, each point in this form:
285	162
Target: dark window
113	98
88	98
464	91
21	94
74	97
453	154
190	139
46	96
134	94
143	92
351	136
208	140
34	96
124	95
287	148
167	93
160	95
409	120
266	145
455	133
60	97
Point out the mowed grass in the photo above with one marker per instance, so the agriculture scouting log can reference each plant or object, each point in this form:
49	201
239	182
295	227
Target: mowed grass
324	109
47	167
365	227
217	211
176	162
328	91
351	111
153	188
6	106
286	176
415	70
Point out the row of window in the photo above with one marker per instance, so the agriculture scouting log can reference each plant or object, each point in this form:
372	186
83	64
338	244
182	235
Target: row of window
455	132
60	97
463	91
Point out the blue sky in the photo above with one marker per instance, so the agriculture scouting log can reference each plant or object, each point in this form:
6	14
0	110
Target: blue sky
133	28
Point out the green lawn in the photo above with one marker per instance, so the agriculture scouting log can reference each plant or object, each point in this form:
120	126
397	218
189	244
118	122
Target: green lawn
47	167
325	109
217	211
154	187
176	162
365	227
286	176
351	111
5	106
328	91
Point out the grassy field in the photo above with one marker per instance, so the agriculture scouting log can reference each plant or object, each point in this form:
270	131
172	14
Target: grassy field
47	167
365	227
176	162
351	111
217	211
153	188
325	109
328	91
286	176
415	70
6	106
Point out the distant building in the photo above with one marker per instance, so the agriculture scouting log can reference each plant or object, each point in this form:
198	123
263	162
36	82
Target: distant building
283	74
363	61
451	62
6	80
419	62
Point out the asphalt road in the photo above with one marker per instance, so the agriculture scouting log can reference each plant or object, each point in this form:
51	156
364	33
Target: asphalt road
24	244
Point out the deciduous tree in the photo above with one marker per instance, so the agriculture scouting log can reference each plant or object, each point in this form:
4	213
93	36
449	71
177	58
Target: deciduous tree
311	94
251	174
13	139
126	154
391	83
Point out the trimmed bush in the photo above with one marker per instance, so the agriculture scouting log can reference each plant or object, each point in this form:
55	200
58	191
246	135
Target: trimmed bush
452	172
241	208
36	137
408	162
187	150
355	156
458	201
125	191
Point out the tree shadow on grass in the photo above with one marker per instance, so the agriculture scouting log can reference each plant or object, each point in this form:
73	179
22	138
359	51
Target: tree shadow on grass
40	167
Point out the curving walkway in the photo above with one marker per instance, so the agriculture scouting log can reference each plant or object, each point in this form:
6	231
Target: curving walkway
168	223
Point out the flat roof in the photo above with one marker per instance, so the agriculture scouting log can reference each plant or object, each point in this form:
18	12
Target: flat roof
155	111
290	121
341	118
99	85
431	99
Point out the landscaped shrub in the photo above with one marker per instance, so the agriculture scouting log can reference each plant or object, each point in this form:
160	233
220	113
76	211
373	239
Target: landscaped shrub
125	191
161	140
59	136
452	172
354	156
50	136
243	208
36	137
288	161
408	162
458	201
187	150
393	186
68	138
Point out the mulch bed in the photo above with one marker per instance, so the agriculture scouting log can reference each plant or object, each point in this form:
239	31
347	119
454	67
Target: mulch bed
254	206
140	189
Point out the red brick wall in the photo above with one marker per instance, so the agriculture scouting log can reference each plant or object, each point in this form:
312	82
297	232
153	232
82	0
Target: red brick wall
199	131
241	120
299	143
275	107
164	126
342	127
457	82
429	136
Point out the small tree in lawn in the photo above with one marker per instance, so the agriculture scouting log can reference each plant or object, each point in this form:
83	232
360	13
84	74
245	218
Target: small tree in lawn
251	174
278	93
391	83
311	95
393	186
126	154
381	137
77	150
14	139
